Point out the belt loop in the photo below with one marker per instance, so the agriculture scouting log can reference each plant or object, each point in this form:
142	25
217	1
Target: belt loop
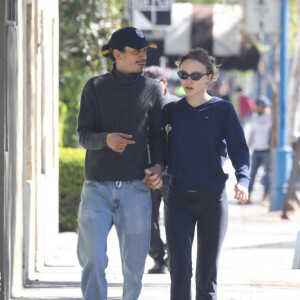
118	184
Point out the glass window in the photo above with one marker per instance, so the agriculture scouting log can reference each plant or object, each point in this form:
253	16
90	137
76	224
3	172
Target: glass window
11	10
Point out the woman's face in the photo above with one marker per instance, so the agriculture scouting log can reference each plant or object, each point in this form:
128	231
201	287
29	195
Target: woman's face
194	87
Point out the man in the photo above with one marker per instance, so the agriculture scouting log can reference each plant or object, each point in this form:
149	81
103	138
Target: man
120	112
157	248
259	143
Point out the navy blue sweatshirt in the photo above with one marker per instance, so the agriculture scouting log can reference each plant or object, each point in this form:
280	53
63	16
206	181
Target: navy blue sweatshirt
199	141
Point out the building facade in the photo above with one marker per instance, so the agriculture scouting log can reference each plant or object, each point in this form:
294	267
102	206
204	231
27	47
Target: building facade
28	141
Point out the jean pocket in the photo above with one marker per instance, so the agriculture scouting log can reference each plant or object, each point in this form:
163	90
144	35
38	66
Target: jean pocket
90	182
139	187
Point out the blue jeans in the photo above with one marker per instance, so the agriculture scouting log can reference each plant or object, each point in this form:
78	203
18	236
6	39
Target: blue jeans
127	205
260	158
184	212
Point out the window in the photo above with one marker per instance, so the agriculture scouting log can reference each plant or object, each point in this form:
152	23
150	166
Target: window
11	10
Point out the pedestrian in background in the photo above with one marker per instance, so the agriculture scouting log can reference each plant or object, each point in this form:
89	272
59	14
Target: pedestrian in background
158	250
259	144
200	129
119	113
246	106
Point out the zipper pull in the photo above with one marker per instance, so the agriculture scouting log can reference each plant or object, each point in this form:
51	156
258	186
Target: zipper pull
168	128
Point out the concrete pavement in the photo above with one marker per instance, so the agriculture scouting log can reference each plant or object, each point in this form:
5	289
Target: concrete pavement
255	263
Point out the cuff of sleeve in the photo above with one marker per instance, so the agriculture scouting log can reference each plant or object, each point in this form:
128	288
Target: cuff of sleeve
244	182
159	163
103	139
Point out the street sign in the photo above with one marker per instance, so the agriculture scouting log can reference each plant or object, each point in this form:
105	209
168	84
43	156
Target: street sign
149	14
262	16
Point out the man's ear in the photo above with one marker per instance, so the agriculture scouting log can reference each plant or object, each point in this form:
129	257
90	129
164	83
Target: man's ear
117	54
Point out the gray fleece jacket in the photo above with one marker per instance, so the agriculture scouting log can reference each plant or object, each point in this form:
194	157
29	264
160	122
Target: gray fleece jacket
126	103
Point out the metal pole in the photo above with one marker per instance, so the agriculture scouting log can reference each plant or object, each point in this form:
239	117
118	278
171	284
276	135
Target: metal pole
282	153
2	142
259	81
270	62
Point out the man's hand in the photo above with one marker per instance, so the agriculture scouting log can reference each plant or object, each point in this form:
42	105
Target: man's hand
241	193
118	141
153	177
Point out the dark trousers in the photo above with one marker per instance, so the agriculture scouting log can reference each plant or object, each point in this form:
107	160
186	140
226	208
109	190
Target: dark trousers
184	212
157	248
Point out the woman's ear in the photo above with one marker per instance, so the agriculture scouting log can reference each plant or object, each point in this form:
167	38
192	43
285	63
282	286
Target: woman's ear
209	78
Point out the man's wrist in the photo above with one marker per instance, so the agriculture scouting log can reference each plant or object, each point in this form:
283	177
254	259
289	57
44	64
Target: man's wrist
158	166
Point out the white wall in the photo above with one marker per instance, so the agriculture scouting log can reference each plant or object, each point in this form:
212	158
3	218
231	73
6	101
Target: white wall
30	157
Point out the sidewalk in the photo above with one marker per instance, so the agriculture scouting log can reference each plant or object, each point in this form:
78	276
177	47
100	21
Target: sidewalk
255	264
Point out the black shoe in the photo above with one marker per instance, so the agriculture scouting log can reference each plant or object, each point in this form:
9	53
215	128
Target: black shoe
158	268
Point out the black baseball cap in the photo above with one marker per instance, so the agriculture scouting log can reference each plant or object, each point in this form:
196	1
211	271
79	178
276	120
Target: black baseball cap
131	37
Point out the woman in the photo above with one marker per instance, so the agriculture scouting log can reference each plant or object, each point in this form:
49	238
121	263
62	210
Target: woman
200	130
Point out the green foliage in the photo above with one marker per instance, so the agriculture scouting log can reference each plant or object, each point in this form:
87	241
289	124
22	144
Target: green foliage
70	91
62	118
294	24
211	1
197	1
71	178
84	27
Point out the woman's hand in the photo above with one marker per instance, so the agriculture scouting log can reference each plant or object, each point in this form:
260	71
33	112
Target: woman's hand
153	177
241	193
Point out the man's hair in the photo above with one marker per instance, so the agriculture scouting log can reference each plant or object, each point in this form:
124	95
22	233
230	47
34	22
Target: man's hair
107	52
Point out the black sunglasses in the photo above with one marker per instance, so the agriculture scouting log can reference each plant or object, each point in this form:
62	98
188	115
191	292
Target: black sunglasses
194	76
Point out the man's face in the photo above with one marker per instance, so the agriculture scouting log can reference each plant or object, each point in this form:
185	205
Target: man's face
260	109
131	60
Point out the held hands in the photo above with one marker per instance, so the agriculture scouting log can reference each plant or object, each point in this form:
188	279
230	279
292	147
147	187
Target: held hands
118	141
153	177
241	193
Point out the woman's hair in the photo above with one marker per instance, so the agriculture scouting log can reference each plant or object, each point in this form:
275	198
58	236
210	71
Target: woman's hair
202	56
107	52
